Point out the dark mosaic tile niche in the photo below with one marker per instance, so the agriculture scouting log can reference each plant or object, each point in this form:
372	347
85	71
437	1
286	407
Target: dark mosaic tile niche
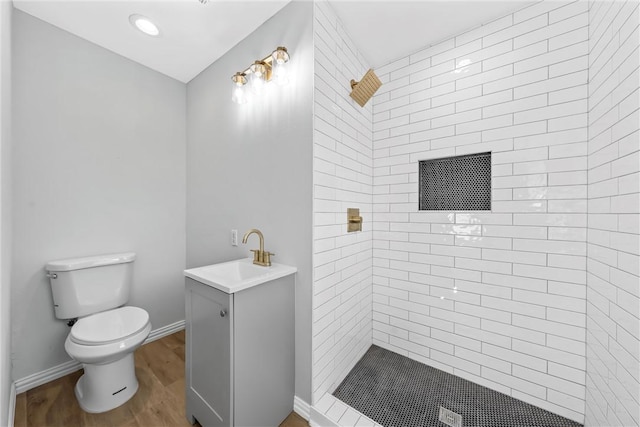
455	183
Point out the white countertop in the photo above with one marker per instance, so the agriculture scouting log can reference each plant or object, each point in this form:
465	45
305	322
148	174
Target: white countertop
237	275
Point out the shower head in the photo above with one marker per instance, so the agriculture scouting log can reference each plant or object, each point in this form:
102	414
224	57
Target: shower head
363	90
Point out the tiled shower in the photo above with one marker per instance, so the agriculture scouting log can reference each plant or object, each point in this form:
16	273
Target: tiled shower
537	298
343	178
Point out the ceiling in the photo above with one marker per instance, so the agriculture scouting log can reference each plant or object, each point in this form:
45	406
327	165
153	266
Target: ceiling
193	35
386	30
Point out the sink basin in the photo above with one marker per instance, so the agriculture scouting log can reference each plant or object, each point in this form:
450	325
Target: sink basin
234	276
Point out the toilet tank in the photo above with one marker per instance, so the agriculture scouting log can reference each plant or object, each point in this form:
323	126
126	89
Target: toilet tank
83	286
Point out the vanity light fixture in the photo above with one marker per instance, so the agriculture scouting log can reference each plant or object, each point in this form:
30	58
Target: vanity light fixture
144	24
239	95
262	71
258	76
279	58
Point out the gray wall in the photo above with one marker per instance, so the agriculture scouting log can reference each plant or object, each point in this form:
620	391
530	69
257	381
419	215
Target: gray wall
5	211
99	167
251	165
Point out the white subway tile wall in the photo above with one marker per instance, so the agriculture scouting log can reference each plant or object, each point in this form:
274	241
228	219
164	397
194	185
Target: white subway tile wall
343	178
498	297
540	298
613	243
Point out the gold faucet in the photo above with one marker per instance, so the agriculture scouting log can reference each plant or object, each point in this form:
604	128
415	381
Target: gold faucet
260	256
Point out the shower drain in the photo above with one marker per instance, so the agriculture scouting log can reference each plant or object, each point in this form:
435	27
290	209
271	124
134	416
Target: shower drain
450	418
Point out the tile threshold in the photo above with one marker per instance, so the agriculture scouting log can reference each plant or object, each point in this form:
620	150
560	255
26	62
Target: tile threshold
332	412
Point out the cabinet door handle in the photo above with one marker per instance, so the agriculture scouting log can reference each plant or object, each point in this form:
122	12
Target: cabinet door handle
223	313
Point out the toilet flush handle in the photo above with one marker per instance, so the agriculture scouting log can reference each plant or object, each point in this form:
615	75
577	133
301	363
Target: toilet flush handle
52	275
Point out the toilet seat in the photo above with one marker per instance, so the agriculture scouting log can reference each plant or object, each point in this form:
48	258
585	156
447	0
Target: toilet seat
131	324
109	326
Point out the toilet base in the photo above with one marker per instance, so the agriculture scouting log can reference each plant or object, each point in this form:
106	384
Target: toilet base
105	387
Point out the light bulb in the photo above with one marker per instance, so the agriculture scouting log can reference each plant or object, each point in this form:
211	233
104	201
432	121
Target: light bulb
257	77
280	74
257	85
238	94
280	57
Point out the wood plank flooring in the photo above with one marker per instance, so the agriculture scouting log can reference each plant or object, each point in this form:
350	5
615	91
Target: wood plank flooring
159	402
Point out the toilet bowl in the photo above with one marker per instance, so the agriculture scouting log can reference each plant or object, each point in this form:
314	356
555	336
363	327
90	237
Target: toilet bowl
104	343
94	290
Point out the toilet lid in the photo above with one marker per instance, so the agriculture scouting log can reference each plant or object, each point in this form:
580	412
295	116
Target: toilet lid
107	326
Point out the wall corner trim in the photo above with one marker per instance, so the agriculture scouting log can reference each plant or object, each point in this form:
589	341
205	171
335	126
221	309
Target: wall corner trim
34	380
301	408
12	405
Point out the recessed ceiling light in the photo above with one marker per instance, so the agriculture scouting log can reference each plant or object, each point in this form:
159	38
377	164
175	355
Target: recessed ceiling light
144	24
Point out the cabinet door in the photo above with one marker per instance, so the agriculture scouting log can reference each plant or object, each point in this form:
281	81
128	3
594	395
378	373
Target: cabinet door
208	354
264	356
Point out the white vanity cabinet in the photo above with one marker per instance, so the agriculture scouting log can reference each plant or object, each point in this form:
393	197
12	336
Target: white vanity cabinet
239	349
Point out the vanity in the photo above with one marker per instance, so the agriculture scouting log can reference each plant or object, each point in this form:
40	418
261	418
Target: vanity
239	344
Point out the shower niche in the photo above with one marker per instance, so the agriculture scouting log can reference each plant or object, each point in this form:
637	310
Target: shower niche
459	183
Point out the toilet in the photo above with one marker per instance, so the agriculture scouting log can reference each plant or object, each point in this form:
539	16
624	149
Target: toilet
94	290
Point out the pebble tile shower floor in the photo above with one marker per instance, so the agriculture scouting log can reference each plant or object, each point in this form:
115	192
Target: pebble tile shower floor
396	391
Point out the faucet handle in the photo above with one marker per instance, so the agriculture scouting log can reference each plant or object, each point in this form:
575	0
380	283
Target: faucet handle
267	257
256	255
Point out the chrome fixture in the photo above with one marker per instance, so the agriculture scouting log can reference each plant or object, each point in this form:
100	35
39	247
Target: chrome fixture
260	256
272	67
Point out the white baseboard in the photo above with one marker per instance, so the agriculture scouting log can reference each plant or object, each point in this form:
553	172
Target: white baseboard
172	328
12	405
43	377
301	408
48	375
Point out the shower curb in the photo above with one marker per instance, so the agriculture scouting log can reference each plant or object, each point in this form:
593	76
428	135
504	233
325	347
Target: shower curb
332	412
